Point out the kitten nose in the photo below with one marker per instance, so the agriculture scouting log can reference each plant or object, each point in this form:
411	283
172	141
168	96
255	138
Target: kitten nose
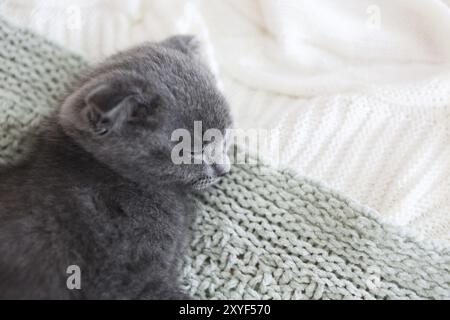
220	170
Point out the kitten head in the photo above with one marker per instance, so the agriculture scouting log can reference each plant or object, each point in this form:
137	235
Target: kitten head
126	110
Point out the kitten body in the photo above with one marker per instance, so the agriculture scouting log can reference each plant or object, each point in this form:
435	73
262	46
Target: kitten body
101	192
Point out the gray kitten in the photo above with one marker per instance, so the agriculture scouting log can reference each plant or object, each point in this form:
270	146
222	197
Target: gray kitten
100	191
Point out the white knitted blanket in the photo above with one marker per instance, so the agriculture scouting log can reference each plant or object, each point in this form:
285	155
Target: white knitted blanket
360	90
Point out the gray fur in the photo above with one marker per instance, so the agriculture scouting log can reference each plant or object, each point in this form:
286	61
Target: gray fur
100	190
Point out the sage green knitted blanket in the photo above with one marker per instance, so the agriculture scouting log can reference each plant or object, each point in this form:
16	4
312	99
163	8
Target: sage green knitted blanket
262	232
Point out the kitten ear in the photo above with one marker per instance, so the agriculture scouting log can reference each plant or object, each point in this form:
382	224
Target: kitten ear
187	44
109	107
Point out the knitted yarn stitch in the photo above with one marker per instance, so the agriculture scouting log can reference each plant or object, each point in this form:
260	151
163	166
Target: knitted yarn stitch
262	232
270	234
34	74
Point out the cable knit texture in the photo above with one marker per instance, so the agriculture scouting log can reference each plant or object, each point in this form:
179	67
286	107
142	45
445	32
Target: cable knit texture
262	232
269	234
